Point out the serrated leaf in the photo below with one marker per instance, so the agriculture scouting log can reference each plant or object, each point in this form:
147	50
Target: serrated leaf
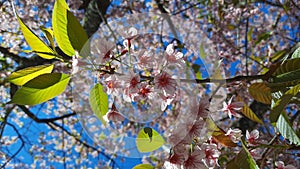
149	140
35	43
41	89
282	102
98	100
286	130
68	32
20	77
260	92
296	53
143	166
218	134
287	66
248	112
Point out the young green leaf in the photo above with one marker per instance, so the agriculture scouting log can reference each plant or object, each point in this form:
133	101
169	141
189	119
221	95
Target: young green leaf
286	130
149	140
21	77
296	53
41	89
68	32
282	102
143	166
260	92
50	36
98	100
36	44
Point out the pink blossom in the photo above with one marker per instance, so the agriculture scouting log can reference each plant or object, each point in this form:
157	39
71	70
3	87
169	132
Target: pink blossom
112	85
114	115
144	60
195	160
211	154
231	108
131	81
144	92
252	137
164	82
235	135
174	57
280	165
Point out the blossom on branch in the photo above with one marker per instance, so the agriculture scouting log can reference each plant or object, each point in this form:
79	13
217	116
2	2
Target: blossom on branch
252	136
235	135
232	108
164	82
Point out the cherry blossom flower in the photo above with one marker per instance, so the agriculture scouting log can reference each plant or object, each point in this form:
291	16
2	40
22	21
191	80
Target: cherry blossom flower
211	154
145	91
169	165
195	160
235	135
144	60
280	165
231	108
173	57
252	137
164	82
113	115
112	85
103	49
131	81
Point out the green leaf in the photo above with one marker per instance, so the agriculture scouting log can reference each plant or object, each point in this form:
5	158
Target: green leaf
282	102
263	36
41	89
23	76
35	43
248	112
98	100
68	32
143	166
287	66
278	55
260	92
149	140
50	36
286	130
242	160
287	77
296	53
76	33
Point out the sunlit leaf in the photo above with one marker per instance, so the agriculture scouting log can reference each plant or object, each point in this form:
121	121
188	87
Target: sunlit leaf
248	112
20	77
41	89
149	140
68	32
282	102
98	100
260	92
143	166
286	130
50	36
296	53
218	134
35	43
